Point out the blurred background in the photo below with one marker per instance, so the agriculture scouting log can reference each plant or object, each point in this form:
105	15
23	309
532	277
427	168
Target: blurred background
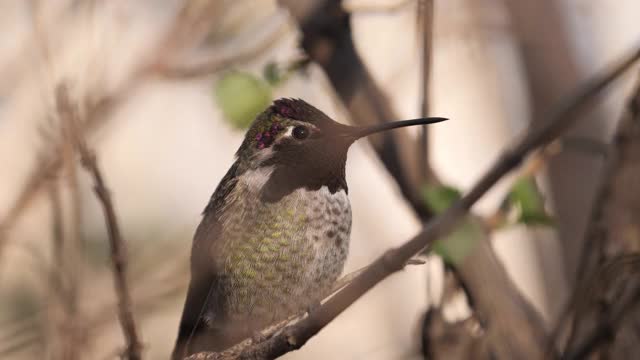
164	89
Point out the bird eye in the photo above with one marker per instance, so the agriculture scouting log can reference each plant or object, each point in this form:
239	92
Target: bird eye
300	132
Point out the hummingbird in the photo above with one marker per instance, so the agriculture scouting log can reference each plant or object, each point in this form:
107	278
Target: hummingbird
274	236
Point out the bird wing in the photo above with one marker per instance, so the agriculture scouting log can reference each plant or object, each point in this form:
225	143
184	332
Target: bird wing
193	332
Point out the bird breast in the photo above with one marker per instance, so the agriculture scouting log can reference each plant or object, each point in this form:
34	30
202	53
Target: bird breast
282	257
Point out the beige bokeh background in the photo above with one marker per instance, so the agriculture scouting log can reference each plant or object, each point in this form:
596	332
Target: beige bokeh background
165	149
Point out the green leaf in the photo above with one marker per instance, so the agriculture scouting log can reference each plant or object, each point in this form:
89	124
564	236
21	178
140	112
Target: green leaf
454	248
242	96
525	196
439	198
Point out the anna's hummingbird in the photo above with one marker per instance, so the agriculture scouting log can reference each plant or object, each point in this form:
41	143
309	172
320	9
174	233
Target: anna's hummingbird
275	234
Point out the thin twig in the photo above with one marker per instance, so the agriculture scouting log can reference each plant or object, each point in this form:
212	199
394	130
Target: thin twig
73	248
566	114
56	278
118	246
348	278
426	174
62	283
57	230
426	19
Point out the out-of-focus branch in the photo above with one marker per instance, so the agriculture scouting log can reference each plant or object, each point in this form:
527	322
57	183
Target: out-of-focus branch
74	247
383	8
184	32
612	233
551	69
512	327
66	271
614	295
514	330
534	164
57	227
327	40
459	340
118	247
426	20
263	36
57	282
63	281
564	115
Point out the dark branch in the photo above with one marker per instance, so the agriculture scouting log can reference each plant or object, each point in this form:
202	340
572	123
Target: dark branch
328	41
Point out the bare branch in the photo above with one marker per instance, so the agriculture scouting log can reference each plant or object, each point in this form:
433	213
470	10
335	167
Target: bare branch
62	285
74	246
346	279
567	113
118	247
426	18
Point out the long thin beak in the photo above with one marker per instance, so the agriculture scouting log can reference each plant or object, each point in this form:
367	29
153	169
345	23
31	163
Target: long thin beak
362	131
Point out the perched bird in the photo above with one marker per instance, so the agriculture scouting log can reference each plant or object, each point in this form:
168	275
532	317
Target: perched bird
275	234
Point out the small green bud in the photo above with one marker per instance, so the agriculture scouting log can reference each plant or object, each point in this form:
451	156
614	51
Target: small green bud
242	96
